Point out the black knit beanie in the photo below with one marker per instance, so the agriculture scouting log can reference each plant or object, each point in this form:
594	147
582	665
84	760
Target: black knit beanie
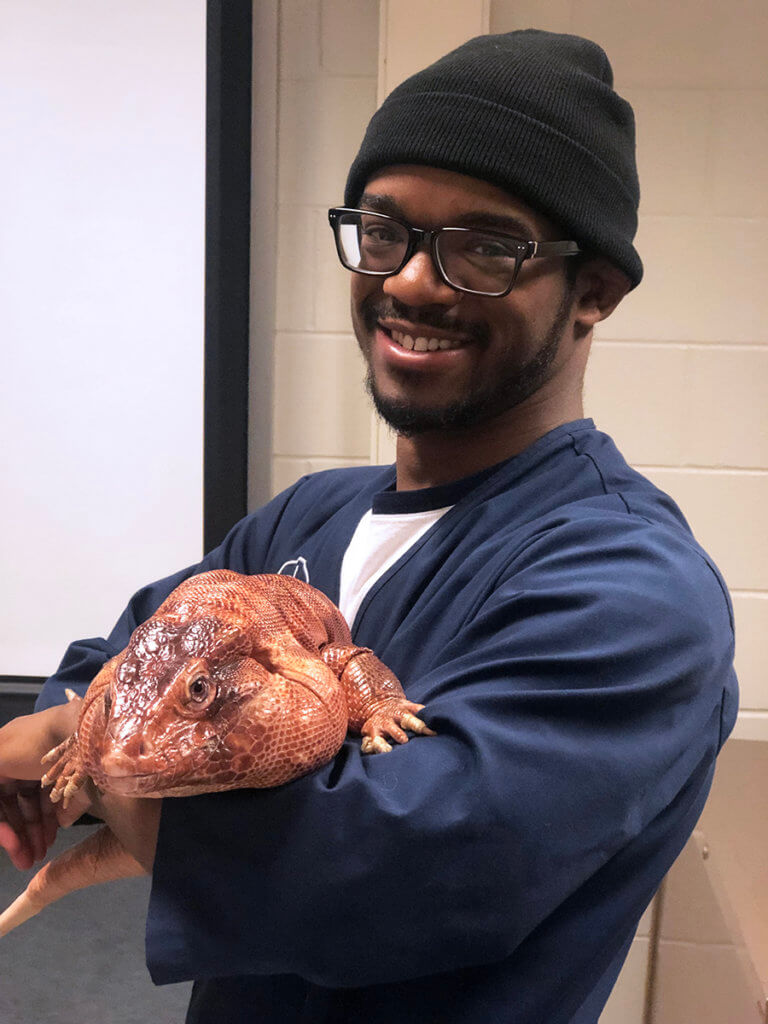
532	112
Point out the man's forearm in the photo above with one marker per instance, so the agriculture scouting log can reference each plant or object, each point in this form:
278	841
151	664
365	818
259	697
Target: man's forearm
24	740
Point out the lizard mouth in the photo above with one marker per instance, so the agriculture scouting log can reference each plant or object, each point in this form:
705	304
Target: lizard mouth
152	771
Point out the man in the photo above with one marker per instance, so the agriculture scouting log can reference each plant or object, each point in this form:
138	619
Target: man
570	640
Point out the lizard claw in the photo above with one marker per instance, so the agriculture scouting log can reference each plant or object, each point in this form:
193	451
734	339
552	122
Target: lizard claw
74	784
53	755
375	745
390	721
66	786
64	776
409	721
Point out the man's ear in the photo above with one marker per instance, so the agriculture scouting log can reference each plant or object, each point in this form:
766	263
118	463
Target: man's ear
599	288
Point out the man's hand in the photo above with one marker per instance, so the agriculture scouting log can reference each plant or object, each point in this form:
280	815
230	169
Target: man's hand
28	819
25	740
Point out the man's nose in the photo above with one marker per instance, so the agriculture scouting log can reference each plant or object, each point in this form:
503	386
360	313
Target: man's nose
419	284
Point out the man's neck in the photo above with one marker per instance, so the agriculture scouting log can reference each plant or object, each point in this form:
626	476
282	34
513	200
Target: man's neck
440	457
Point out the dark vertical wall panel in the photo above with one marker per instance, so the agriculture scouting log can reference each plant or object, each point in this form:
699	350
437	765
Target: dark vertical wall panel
264	205
227	265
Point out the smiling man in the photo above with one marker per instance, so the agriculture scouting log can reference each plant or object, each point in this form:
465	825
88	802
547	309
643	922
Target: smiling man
571	641
470	344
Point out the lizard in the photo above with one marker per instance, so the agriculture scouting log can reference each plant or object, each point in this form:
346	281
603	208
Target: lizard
235	681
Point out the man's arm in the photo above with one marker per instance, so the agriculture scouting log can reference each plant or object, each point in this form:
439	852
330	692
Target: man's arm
578	716
28	819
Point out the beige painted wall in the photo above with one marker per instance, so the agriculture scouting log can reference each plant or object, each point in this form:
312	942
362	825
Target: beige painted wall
712	957
328	64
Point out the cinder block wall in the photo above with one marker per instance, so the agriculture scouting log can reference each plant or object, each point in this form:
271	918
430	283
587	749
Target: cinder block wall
328	67
679	374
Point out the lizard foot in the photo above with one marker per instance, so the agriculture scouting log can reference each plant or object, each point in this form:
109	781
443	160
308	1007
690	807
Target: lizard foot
391	720
65	774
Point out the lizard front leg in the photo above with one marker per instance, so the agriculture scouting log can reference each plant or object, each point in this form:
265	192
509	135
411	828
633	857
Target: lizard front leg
66	770
378	707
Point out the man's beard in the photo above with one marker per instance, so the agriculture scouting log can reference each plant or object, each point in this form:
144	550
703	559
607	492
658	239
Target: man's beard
482	403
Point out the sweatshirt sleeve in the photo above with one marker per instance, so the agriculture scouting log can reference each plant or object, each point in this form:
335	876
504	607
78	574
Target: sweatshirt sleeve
589	690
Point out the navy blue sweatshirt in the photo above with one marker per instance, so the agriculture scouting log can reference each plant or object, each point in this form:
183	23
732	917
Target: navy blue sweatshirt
573	646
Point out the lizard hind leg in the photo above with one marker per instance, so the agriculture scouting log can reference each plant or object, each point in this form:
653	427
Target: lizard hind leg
378	708
98	858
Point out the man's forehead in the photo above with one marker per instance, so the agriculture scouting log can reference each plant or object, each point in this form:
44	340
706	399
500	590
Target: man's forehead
429	195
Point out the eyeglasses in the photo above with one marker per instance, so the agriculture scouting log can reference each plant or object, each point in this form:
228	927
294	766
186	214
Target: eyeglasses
467	259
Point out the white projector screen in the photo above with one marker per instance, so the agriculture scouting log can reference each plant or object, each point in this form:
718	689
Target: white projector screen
102	160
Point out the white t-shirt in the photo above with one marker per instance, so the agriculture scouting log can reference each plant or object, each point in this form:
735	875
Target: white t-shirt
379	540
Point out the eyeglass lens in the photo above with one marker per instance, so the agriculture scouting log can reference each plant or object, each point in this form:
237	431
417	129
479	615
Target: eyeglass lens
472	260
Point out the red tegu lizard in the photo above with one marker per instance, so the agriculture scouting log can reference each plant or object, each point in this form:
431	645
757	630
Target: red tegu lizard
235	681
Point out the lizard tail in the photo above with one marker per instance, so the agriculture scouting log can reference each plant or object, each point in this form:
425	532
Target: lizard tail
98	858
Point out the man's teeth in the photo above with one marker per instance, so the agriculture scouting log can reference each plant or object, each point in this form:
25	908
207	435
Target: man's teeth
423	344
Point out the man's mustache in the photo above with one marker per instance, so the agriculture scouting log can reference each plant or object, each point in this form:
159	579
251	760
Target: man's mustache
373	310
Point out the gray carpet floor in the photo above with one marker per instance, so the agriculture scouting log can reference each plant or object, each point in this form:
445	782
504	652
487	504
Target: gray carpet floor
81	961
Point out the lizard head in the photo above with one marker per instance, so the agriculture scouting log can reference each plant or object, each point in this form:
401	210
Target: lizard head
172	704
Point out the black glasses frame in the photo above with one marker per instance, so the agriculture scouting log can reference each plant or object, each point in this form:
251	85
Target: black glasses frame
420	237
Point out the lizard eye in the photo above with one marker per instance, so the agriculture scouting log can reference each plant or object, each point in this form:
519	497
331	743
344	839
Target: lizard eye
194	690
198	689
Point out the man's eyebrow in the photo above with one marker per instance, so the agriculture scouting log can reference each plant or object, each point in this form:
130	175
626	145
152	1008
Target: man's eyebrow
378	202
495	222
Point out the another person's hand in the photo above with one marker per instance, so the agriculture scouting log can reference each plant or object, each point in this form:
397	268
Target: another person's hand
28	819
